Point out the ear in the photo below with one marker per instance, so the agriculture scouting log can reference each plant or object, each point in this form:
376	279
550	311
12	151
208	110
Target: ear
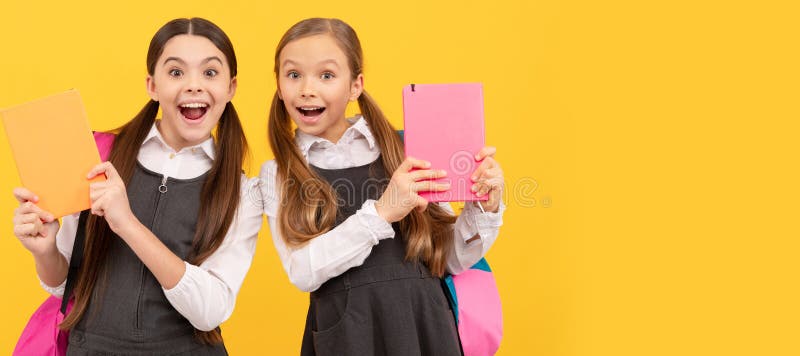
151	88
357	87
232	88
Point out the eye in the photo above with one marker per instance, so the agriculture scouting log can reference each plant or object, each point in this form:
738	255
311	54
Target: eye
211	73
327	76
175	73
293	75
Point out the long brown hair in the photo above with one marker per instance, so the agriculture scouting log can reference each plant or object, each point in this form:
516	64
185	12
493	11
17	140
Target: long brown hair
220	193
309	210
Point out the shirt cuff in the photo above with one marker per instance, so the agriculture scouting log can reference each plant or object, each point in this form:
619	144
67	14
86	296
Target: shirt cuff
181	288
55	291
368	216
480	222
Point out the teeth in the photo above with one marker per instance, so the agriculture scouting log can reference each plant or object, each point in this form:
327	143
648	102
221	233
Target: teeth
310	109
194	105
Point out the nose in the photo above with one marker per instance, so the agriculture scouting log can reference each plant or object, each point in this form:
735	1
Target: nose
194	85
307	90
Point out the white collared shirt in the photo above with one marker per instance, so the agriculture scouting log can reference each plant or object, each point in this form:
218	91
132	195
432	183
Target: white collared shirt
206	294
351	242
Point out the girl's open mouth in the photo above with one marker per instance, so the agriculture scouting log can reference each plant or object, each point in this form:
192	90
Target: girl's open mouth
311	111
193	111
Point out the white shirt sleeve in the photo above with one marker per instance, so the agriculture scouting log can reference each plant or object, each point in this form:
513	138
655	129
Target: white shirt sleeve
329	254
206	294
65	238
472	222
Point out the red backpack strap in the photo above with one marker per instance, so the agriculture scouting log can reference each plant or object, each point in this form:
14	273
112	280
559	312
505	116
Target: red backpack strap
104	141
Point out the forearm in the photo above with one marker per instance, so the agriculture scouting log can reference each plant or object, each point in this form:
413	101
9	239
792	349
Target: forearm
206	294
167	267
334	252
51	267
475	232
202	298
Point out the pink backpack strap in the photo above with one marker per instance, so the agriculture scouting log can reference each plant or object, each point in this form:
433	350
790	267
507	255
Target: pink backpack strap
104	141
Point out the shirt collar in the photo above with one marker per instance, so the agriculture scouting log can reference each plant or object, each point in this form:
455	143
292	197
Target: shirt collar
358	128
154	135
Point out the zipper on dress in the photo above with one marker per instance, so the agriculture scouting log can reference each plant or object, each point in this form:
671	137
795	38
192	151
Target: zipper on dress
162	189
139	299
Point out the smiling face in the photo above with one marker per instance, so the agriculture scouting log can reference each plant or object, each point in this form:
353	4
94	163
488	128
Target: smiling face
315	84
193	84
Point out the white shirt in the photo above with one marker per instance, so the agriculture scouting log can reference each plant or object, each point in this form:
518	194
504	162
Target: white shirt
351	242
206	294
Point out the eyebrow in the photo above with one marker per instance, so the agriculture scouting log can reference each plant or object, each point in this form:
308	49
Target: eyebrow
181	61
331	61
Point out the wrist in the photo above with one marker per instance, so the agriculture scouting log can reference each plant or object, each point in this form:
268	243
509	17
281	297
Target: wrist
47	256
381	211
486	206
128	228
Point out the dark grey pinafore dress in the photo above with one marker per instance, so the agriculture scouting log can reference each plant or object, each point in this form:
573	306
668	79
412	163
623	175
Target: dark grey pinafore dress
128	313
386	306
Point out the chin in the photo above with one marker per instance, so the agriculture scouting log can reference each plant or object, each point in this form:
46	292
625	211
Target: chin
193	139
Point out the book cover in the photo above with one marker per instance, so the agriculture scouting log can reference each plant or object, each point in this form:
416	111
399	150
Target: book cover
54	149
444	125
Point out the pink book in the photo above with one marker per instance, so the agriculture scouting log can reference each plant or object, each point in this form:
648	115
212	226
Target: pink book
444	125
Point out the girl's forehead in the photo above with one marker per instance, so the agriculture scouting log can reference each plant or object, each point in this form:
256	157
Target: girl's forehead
313	50
191	48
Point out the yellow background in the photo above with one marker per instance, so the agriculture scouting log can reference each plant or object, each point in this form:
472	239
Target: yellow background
650	151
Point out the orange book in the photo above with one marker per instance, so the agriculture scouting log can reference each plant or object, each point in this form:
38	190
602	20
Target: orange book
54	150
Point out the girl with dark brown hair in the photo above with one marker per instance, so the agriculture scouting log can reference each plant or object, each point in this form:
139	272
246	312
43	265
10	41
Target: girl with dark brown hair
170	235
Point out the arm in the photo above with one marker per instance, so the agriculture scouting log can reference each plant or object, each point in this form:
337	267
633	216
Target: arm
329	254
474	233
36	229
110	200
206	294
333	252
477	227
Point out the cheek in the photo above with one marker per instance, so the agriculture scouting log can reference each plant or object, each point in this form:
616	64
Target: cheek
284	90
221	108
213	123
223	92
167	88
346	92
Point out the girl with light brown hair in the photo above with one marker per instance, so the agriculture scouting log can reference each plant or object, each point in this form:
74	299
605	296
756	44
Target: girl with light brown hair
344	212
